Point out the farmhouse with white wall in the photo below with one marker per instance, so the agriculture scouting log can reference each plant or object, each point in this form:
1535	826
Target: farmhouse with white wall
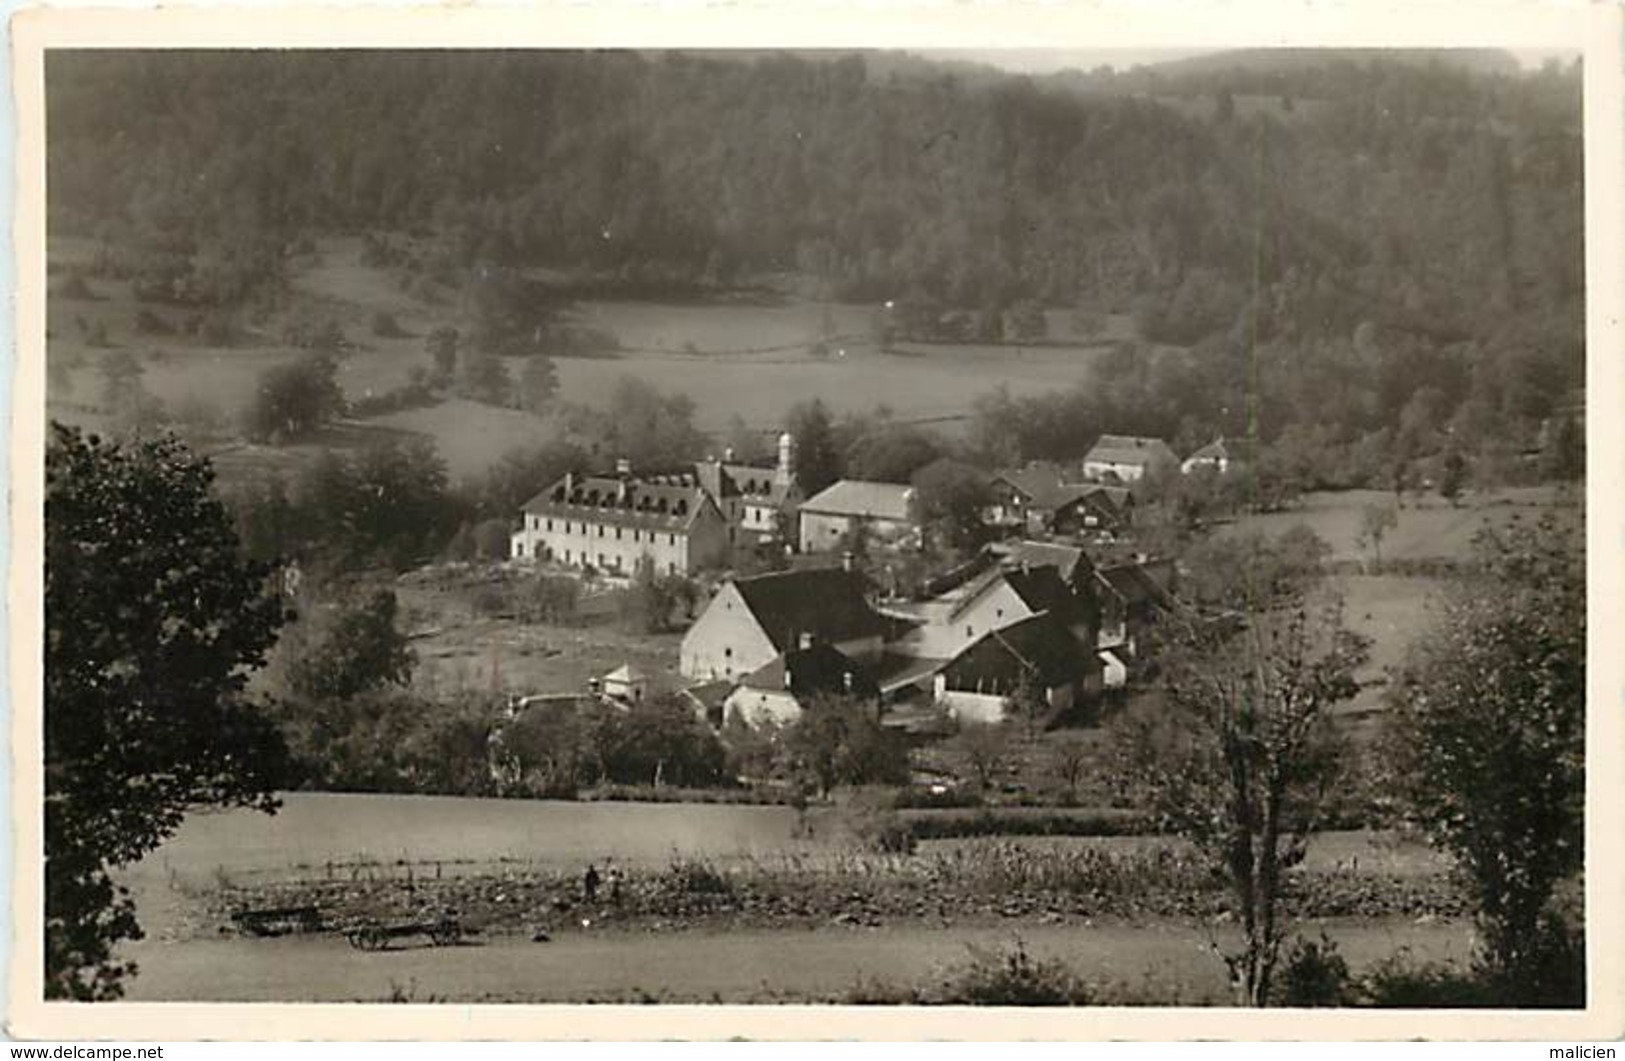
751	621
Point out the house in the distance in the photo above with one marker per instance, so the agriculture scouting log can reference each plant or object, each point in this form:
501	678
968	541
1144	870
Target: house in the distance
1222	455
610	522
782	689
1039	499
751	621
886	511
758	502
1128	458
1020	494
976	686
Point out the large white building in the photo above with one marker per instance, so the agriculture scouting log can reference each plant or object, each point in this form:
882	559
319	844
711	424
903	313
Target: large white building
609	523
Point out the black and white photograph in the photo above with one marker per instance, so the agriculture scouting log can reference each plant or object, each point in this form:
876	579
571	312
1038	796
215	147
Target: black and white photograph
873	527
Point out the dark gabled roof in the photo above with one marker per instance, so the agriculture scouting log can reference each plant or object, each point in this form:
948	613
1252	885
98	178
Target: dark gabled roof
1040	645
755	482
1040	588
1131	584
829	603
710	695
1065	558
1036	480
667	502
1130	449
1046	487
812	671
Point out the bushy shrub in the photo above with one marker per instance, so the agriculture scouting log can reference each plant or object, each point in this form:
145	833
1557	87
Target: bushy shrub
149	323
657	742
216	329
416	394
1313	974
492	601
384	325
1400	983
1011	978
693	876
954	822
549	599
879	828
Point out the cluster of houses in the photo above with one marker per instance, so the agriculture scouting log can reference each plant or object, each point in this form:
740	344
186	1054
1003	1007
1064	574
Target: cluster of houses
1032	615
1038	615
700	518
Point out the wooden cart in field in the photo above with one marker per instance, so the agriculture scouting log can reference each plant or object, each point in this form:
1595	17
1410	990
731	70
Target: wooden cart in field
375	935
278	921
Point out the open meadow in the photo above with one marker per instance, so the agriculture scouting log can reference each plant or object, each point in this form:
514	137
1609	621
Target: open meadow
1427	527
709	892
747	357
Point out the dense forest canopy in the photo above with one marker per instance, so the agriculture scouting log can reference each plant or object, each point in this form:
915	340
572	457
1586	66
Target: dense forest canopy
1385	224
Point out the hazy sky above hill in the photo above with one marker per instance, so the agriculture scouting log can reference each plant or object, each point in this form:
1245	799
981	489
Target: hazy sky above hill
1049	60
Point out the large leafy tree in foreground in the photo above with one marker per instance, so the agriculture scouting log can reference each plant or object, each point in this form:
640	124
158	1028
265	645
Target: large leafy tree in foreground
1489	746
153	623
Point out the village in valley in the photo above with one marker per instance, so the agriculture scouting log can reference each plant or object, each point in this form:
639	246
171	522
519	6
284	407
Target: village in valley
654	528
1030	611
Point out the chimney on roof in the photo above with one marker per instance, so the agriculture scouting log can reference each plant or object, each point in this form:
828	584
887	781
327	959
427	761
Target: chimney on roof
728	454
805	641
569	484
623	467
846	680
847	560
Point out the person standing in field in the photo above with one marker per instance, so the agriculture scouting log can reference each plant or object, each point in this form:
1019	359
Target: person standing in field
589	884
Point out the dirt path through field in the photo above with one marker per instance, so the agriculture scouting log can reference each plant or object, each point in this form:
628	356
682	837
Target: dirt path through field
1167	960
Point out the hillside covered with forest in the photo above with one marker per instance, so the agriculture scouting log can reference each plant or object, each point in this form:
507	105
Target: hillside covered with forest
1322	242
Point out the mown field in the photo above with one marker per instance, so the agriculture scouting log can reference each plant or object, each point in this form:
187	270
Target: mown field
746	357
1427	527
1389	608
